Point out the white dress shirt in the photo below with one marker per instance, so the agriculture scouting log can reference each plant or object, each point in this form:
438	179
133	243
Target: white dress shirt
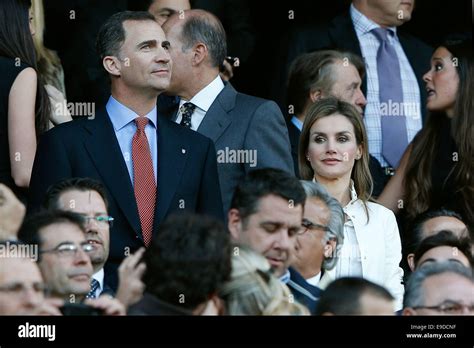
99	276
203	101
369	46
314	281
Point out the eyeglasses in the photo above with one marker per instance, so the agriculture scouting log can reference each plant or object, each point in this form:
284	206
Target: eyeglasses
308	225
69	250
101	220
19	288
450	308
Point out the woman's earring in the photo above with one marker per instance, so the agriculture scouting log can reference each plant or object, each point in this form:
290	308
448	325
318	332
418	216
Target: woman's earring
307	157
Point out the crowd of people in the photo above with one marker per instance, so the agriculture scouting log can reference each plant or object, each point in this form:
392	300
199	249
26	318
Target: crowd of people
184	196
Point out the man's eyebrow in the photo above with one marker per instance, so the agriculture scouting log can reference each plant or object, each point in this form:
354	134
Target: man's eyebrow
147	42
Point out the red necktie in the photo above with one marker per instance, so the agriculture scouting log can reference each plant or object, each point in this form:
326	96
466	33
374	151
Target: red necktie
145	186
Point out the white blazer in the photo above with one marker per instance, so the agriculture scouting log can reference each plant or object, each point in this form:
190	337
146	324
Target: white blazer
379	244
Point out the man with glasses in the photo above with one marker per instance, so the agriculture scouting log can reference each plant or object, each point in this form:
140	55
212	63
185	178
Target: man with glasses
440	288
265	214
63	258
87	198
22	288
322	233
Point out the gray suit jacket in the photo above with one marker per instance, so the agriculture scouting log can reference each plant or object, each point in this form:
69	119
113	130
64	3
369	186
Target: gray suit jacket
248	133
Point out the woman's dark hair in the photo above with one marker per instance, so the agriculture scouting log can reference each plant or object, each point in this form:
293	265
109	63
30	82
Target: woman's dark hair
418	185
16	42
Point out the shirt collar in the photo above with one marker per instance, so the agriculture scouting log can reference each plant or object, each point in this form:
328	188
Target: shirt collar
122	115
298	124
364	25
314	280
206	96
285	278
99	276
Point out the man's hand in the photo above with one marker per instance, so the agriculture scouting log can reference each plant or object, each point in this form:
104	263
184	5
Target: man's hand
50	306
12	212
108	305
130	272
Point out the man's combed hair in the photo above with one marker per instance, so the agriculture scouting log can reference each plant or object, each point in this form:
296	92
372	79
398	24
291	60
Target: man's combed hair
445	238
414	292
51	200
342	296
188	260
209	31
264	182
111	35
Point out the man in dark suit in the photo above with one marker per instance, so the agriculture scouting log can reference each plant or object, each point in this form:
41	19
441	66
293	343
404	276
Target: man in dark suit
355	31
266	214
149	166
248	132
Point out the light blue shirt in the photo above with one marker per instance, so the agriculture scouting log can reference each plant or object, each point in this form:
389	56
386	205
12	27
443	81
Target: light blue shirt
369	46
298	124
124	126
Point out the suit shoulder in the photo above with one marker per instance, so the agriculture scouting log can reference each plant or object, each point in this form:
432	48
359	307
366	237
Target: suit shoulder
65	129
254	102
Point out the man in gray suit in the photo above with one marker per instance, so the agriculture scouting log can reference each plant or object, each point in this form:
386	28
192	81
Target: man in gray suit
248	132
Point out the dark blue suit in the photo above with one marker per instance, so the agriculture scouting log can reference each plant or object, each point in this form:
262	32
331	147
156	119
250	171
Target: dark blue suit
304	293
187	176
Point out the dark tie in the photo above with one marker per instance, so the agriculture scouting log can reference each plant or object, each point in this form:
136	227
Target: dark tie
144	179
94	286
393	121
187	110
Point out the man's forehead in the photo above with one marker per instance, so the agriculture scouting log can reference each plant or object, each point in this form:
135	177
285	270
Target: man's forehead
143	30
61	232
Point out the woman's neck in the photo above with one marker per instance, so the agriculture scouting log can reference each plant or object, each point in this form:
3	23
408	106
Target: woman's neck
338	188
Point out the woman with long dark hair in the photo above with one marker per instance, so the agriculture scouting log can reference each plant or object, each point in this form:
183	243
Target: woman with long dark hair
437	170
24	104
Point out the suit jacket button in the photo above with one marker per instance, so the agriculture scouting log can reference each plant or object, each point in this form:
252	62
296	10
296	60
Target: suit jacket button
183	151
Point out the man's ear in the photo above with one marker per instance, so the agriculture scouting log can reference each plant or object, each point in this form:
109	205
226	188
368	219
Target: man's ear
234	223
329	248
112	65
200	53
315	95
411	261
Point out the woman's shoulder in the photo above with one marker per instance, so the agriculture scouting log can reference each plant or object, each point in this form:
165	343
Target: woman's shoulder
376	209
10	68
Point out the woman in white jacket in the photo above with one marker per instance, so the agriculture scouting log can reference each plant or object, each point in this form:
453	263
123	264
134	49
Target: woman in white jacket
333	152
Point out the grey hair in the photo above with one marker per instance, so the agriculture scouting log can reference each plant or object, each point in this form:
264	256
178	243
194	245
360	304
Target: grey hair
414	294
336	221
206	29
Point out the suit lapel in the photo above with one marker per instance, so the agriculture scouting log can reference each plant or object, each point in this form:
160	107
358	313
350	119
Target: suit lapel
173	149
105	152
217	118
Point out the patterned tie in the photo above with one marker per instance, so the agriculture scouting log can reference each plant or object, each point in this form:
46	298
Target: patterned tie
187	110
94	286
394	130
144	178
